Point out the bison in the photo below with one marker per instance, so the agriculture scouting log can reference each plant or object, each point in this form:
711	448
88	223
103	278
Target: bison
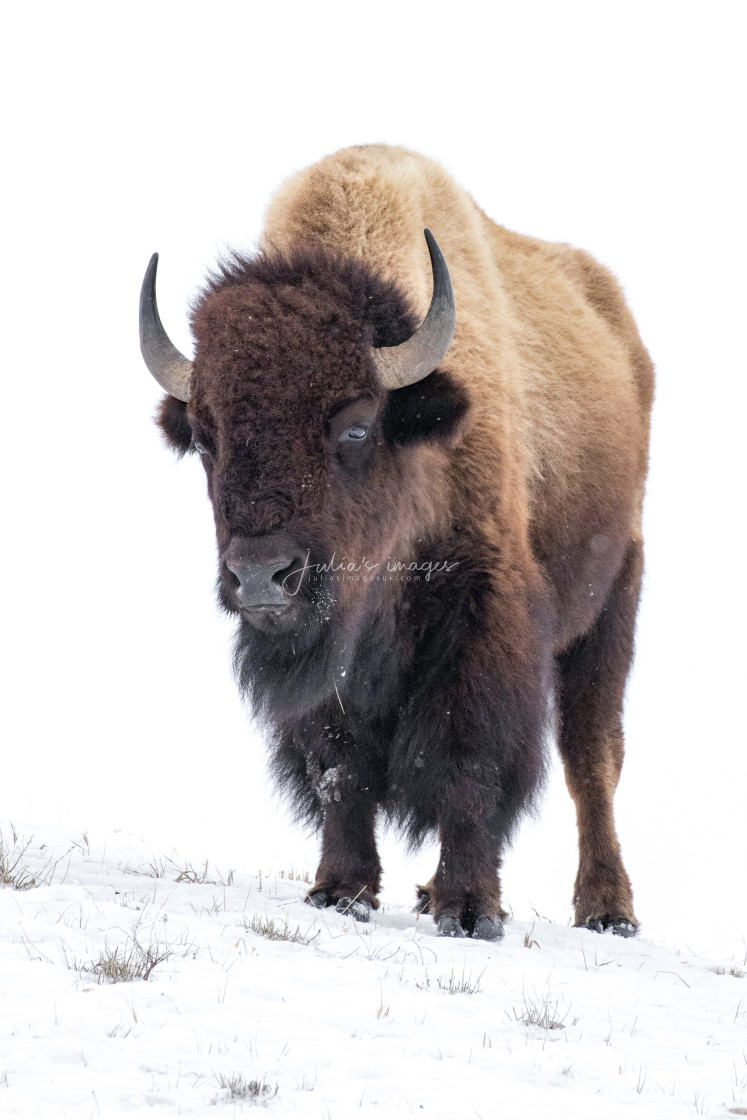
428	514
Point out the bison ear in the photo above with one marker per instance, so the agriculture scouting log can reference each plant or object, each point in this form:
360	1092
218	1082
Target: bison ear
175	428
432	409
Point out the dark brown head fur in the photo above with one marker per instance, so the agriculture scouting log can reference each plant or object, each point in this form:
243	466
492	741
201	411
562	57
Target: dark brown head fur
283	360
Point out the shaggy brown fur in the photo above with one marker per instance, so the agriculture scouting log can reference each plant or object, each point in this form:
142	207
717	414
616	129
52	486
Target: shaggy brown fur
521	463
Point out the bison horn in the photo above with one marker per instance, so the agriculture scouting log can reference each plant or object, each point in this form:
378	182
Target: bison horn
170	368
412	360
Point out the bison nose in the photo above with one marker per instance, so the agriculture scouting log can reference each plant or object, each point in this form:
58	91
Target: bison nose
268	570
262	585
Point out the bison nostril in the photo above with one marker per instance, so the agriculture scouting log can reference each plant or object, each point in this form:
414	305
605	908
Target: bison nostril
291	576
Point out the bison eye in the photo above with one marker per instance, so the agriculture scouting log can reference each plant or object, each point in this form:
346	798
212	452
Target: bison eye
355	434
200	447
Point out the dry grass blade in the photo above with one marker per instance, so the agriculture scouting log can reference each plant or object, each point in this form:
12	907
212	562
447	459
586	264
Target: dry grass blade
278	931
131	962
203	875
239	1088
14	873
463	985
295	876
529	942
542	1012
164	866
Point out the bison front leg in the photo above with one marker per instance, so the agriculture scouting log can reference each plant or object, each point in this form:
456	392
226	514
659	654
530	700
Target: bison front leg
349	873
464	895
469	751
592	675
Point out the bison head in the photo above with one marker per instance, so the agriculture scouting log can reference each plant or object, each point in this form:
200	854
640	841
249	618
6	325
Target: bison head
320	422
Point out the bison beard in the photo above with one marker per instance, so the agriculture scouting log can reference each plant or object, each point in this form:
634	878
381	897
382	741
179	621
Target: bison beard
415	726
520	461
414	717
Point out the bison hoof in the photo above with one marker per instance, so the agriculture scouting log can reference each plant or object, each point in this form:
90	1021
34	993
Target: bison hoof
360	910
449	926
620	926
423	903
488	929
320	899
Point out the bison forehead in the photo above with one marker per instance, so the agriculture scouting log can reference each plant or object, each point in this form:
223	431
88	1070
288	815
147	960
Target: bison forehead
274	321
277	333
289	344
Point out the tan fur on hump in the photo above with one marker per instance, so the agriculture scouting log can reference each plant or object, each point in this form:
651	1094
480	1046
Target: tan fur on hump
560	380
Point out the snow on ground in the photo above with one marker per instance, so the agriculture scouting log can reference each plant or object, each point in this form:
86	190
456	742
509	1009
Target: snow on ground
343	1020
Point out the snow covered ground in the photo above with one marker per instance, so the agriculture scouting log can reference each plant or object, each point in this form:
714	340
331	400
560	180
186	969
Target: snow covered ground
328	1018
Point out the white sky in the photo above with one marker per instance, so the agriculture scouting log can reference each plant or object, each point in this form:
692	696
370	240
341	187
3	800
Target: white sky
167	126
